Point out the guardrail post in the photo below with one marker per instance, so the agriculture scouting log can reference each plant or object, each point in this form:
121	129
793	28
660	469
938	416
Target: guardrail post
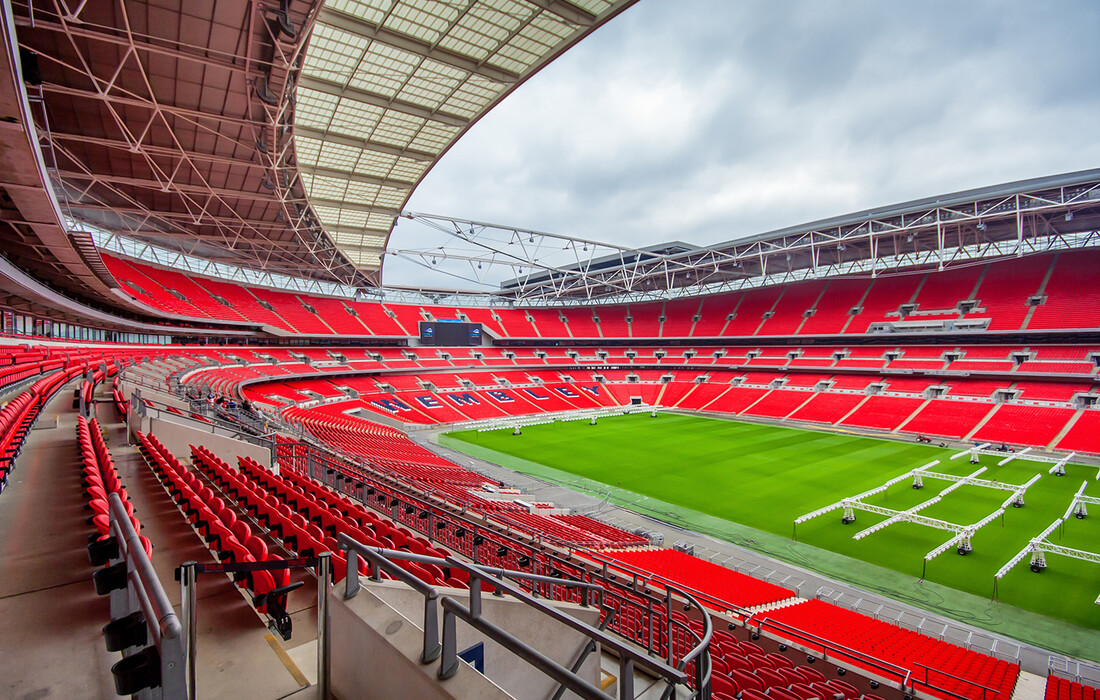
626	678
448	665
432	648
188	600
668	621
324	575
475	596
351	578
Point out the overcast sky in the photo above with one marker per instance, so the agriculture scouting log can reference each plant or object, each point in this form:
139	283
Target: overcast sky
709	120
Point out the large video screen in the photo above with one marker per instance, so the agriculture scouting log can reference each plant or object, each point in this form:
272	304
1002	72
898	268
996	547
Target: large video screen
450	333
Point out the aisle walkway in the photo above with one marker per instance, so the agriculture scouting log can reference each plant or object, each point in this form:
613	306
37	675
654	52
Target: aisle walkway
237	656
51	641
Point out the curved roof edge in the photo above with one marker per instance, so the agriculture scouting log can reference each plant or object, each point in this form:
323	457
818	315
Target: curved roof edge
383	95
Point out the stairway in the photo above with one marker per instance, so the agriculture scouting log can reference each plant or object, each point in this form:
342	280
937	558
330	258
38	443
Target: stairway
982	422
1065	428
911	416
1029	686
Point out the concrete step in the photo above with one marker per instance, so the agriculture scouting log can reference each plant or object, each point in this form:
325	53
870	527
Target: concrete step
1029	686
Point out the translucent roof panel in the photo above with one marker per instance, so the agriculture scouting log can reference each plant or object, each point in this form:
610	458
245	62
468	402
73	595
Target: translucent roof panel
387	85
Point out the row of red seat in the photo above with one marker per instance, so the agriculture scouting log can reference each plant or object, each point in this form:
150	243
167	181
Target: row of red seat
951	417
719	583
229	538
817	307
1065	689
100	479
521	365
573	534
18	416
122	405
950	667
307	518
744	670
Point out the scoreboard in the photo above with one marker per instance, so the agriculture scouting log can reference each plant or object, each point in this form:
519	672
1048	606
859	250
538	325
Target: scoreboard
450	333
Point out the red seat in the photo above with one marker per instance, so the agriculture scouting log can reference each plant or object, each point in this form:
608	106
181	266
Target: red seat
770	678
777	693
803	691
780	661
746	680
724	684
848	690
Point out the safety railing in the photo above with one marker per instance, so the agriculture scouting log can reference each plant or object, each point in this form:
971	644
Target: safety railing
640	576
837	653
921	676
188	574
638	615
1073	670
503	581
140	609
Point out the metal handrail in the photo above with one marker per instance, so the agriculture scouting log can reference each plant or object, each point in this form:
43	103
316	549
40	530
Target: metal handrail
703	666
382	560
648	576
315	459
440	509
564	677
154	600
488	571
985	689
379	563
606	640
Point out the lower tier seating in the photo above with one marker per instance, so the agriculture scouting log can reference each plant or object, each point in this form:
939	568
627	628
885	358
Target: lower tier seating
1065	689
700	575
929	659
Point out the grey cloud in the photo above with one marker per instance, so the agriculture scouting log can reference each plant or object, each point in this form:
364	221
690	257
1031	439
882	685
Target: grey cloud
705	120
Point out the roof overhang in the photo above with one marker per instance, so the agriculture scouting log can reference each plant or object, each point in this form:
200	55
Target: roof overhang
387	88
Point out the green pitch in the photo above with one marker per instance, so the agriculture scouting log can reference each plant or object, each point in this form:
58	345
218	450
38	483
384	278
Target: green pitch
746	483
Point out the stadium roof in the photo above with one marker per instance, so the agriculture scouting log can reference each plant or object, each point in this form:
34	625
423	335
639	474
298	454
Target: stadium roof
387	87
284	137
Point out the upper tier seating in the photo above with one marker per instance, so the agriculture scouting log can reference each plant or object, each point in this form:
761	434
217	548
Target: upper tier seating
887	294
789	313
812	307
1072	299
1005	289
750	310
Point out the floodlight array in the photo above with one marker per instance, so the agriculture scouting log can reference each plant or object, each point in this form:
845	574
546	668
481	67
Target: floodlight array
972	450
1014	455
1059	468
1079	499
